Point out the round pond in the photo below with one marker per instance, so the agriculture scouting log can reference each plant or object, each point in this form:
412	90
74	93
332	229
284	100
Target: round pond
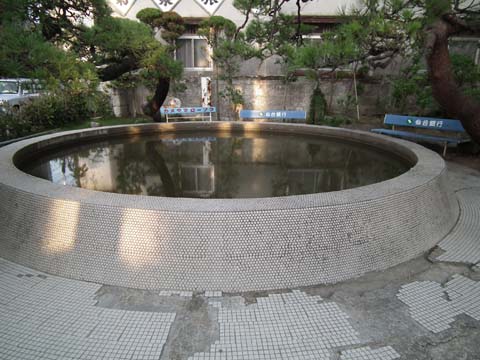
216	165
348	210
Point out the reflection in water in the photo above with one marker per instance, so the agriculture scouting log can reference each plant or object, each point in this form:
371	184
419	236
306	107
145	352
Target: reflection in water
209	166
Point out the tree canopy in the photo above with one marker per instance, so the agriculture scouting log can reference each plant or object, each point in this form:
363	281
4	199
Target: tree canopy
373	35
78	41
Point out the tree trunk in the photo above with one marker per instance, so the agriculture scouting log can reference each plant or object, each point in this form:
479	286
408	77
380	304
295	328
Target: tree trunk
444	86
159	163
161	92
128	64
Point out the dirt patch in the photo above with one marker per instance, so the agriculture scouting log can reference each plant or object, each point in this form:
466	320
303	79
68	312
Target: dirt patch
468	160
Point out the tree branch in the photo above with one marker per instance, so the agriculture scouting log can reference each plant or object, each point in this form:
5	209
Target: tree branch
113	71
241	27
445	88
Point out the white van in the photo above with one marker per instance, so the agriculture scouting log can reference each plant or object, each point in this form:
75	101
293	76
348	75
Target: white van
15	92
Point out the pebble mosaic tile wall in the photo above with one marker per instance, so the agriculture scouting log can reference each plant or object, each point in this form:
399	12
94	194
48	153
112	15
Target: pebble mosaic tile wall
224	245
44	318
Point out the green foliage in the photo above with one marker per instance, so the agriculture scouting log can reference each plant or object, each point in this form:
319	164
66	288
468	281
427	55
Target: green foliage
245	6
25	54
372	36
413	86
170	22
466	72
115	38
50	40
149	16
156	60
318	107
336	121
227	52
273	37
217	28
54	110
58	21
172	26
435	9
160	63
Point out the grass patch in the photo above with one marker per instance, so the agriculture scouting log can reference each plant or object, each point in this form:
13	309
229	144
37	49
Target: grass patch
107	121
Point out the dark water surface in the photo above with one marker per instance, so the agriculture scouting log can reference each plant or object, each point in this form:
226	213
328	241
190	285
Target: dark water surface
210	165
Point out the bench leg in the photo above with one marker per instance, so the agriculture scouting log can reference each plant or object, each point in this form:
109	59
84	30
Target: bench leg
445	149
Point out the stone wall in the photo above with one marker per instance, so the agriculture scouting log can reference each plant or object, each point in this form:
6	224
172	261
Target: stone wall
265	92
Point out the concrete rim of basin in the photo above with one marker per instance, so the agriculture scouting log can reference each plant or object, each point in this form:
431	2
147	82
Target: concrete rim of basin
233	245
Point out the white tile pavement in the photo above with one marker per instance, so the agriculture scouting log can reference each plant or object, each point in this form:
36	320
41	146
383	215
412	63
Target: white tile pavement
435	307
45	317
186	294
463	243
366	353
281	326
464	294
428	305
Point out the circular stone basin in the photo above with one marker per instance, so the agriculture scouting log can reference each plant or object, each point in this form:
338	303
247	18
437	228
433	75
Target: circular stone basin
397	205
219	165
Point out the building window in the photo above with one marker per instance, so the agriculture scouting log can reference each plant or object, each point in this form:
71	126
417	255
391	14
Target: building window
193	52
197	180
320	24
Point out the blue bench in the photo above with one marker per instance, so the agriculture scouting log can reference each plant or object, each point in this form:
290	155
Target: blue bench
189	112
425	123
273	114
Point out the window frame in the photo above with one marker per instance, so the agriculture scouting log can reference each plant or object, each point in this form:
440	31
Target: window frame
196	168
192	38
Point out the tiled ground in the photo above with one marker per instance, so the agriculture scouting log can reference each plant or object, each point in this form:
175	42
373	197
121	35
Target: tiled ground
281	326
462	244
385	353
435	307
44	317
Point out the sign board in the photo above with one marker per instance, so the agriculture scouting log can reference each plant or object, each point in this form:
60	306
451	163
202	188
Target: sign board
210	6
166	5
272	114
424	122
188	110
190	139
122	6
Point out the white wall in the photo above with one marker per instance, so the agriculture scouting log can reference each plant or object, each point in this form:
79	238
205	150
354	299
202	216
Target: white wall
191	8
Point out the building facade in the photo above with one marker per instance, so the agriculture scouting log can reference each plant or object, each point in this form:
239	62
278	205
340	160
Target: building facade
260	82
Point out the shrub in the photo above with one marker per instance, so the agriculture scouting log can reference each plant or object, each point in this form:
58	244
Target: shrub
318	107
412	90
52	111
